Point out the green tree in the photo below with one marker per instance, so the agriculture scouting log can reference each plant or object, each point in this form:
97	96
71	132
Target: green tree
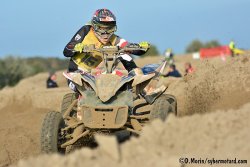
194	46
153	51
13	69
10	71
212	44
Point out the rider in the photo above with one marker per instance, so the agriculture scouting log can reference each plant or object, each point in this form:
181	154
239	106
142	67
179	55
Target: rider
99	32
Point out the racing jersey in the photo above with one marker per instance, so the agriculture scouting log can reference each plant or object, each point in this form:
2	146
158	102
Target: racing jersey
88	61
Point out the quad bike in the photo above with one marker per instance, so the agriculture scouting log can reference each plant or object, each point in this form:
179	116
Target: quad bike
110	101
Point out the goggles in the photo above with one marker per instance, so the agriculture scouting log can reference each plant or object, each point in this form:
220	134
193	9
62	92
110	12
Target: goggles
104	30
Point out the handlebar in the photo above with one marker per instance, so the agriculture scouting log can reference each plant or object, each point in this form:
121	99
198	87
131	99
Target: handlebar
111	49
114	51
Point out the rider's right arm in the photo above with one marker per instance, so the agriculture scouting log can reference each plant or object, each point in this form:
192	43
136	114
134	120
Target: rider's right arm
77	38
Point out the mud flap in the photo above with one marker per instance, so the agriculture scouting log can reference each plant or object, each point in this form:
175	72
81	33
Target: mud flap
151	98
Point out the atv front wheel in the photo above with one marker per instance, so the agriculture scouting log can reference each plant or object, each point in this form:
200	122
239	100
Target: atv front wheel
51	138
162	107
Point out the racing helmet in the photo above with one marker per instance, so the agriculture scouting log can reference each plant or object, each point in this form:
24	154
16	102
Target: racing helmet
104	22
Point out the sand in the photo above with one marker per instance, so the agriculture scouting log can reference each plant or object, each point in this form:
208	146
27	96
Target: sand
212	122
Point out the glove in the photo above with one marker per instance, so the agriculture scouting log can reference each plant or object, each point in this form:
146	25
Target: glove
79	47
144	45
133	45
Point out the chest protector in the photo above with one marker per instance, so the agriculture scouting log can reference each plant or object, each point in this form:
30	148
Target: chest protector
88	61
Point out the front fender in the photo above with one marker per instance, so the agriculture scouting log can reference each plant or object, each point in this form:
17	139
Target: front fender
78	78
138	79
74	77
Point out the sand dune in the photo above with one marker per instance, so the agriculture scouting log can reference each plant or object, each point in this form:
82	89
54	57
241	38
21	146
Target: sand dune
213	105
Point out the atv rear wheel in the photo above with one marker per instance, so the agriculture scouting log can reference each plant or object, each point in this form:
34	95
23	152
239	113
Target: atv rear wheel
51	138
173	102
162	107
67	100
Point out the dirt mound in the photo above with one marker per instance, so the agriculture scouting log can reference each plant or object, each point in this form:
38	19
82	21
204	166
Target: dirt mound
218	135
216	85
33	91
20	129
22	109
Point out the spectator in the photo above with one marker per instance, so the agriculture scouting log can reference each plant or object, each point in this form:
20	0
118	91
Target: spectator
169	55
188	68
232	47
51	81
173	72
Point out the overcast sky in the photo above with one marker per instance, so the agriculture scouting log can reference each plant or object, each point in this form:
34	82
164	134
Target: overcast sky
42	28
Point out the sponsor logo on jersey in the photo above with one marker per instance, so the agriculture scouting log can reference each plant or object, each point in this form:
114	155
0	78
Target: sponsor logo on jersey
78	37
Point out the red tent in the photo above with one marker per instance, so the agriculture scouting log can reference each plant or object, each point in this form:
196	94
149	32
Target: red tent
215	52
